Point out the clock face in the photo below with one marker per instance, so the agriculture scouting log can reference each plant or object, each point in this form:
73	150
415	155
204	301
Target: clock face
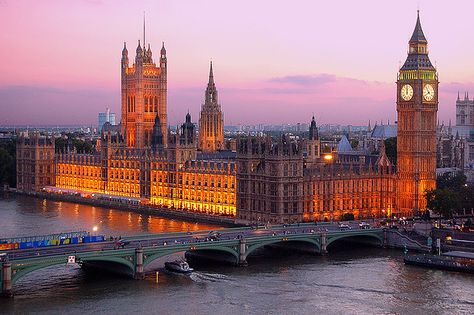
407	92
428	92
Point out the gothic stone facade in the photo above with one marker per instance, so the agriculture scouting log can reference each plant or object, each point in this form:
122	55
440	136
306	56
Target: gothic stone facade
211	121
271	180
35	166
278	183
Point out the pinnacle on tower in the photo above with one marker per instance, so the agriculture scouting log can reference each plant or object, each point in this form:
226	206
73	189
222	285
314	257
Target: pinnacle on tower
211	75
418	35
163	50
458	96
124	50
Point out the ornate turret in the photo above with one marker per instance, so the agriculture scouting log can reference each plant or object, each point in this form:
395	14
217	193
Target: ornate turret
163	52
211	122
157	136
139	56
417	50
313	130
211	91
144	95
124	57
187	134
313	145
148	55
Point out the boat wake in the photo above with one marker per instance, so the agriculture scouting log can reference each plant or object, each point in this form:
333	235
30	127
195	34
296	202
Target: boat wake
208	277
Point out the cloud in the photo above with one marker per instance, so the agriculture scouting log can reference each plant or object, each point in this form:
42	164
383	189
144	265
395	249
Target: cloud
306	80
454	87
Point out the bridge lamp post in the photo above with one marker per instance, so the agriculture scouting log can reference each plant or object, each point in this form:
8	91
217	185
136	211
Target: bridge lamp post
95	228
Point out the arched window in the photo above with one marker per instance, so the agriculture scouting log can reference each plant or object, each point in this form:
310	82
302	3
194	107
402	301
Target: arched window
463	117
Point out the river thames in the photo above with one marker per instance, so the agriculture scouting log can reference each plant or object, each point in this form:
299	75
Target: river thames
349	280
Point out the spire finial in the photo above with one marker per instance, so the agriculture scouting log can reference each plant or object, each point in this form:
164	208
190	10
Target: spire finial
418	32
144	42
211	75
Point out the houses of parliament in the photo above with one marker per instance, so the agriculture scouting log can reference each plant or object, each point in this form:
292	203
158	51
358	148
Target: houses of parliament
276	180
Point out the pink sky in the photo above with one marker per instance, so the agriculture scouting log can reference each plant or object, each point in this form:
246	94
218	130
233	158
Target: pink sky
274	61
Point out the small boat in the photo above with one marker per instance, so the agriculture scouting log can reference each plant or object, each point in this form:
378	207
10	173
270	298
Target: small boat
179	265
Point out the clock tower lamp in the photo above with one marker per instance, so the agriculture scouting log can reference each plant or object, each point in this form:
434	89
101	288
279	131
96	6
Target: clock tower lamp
417	106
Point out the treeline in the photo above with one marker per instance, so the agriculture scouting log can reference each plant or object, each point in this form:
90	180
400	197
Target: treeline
451	196
72	142
8	163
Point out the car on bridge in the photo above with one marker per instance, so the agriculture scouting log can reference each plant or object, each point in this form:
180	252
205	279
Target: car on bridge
364	226
214	235
121	243
344	227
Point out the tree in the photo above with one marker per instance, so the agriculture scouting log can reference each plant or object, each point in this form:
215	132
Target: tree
448	180
354	143
391	149
348	217
444	202
82	146
8	163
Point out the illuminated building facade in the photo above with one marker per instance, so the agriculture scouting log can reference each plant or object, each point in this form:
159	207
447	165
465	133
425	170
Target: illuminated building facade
170	176
35	167
281	180
211	121
417	106
144	95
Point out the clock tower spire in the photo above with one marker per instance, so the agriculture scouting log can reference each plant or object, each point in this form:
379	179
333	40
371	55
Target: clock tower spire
417	106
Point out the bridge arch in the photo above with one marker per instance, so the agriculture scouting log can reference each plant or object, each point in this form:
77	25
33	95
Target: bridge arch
370	235
258	245
153	256
21	272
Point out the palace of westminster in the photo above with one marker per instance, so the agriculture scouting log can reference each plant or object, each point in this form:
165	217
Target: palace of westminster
268	179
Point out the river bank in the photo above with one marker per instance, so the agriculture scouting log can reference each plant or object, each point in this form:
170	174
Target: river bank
141	209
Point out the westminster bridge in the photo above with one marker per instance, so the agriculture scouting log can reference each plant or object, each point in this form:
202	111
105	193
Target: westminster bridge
131	255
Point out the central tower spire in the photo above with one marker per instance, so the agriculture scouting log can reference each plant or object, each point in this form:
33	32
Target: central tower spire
211	121
211	76
144	42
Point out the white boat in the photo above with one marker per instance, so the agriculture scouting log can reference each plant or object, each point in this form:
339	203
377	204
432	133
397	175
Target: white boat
178	265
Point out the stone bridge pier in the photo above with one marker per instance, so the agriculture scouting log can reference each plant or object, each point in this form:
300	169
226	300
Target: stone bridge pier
138	272
7	279
242	252
323	241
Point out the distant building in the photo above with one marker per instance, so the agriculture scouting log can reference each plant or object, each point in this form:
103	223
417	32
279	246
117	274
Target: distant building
106	117
465	116
35	162
465	129
450	149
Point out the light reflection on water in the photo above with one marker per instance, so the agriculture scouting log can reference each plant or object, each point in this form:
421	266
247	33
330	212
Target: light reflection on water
348	281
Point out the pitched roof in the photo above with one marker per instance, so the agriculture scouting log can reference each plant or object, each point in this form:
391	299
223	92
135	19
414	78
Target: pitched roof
344	146
384	131
418	32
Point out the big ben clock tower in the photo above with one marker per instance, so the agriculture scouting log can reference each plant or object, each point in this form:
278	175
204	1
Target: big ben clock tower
417	106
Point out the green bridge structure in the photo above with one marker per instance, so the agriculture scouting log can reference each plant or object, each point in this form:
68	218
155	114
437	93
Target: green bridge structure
142	250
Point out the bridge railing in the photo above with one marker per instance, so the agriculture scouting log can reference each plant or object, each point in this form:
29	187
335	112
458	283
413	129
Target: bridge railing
35	238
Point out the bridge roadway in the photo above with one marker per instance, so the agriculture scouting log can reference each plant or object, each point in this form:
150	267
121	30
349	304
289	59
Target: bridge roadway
134	253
